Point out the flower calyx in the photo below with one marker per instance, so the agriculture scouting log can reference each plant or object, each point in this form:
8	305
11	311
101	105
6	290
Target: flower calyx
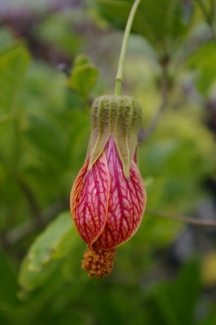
120	116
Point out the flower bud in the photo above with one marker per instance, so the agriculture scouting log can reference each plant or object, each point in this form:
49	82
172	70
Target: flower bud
108	197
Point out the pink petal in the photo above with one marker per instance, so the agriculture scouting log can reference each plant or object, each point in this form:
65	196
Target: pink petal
89	199
126	203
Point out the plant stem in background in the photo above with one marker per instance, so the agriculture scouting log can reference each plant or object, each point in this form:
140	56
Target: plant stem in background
119	76
209	15
191	220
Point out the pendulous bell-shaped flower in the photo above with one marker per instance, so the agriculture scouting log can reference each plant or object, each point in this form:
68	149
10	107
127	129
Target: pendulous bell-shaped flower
108	197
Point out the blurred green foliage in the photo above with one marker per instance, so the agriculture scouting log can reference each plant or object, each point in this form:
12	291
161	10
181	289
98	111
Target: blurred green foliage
163	23
44	131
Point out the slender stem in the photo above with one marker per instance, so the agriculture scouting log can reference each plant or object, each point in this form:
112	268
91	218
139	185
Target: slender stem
32	202
192	220
13	236
119	76
209	16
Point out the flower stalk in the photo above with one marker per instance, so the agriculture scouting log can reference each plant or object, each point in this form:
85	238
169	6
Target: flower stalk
119	76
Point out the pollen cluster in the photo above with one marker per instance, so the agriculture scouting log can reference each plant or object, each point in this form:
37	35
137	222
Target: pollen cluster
98	262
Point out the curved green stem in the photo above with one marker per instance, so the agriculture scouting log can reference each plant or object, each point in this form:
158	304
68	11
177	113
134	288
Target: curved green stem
119	76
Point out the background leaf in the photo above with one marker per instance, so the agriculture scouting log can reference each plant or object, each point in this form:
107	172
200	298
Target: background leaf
174	303
202	63
13	64
84	76
53	244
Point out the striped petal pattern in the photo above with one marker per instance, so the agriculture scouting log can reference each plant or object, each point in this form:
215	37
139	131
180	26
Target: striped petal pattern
89	200
107	208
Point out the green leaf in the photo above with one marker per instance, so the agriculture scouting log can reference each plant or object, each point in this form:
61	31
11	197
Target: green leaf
13	64
84	76
55	242
203	62
174	303
80	60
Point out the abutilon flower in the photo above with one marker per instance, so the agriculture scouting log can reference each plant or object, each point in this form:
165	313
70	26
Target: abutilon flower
108	197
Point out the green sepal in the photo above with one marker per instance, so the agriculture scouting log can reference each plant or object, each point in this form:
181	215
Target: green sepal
120	116
100	128
128	122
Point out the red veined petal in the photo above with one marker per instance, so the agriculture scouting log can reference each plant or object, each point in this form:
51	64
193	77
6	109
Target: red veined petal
126	203
89	200
77	188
